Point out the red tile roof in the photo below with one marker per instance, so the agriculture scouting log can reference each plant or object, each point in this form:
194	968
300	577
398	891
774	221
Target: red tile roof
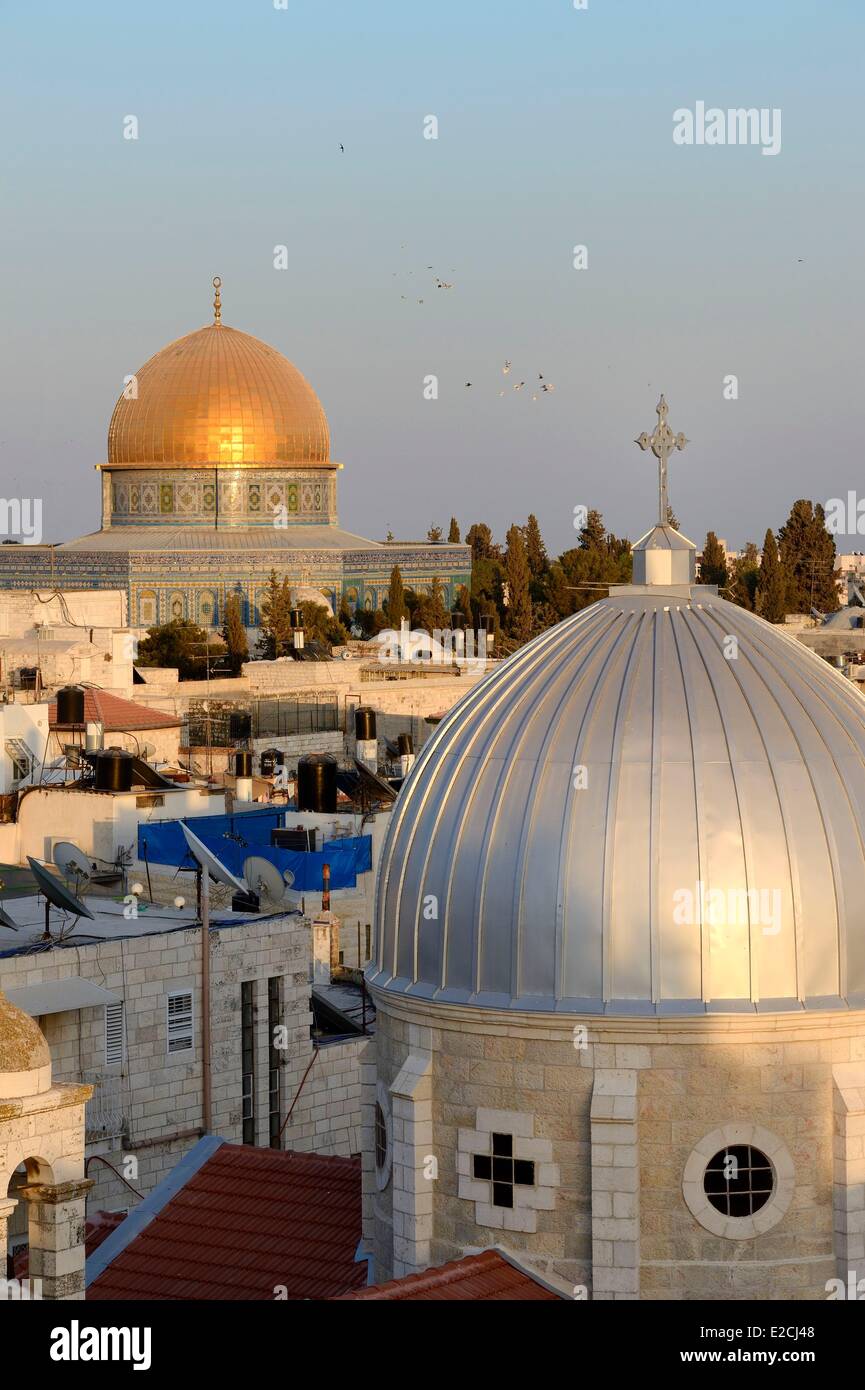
484	1278
118	715
248	1221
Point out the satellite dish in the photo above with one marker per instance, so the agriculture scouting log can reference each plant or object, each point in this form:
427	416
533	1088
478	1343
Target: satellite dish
6	920
288	876
56	892
203	856
263	878
147	751
72	862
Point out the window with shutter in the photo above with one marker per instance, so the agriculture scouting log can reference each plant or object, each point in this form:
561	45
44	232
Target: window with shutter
179	1017
114	1034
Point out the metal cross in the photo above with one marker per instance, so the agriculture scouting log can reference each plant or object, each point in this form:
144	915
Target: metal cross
662	444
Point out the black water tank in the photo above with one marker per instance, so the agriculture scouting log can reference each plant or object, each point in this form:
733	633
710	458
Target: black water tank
316	783
113	770
70	705
243	763
364	724
405	745
239	725
280	757
485	623
296	618
268	762
458	621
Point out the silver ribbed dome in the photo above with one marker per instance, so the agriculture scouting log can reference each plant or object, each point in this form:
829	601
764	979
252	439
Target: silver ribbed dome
737	779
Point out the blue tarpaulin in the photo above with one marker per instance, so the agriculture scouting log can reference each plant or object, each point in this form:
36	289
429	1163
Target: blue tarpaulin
234	838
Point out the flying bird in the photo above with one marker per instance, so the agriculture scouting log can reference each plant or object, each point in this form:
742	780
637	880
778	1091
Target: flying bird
506	368
468	383
342	148
519	386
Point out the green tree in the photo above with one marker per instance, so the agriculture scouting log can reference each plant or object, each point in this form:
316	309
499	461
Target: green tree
464	605
395	604
536	551
745	574
319	625
713	562
234	634
584	574
807	552
274	622
454	532
593	535
518	614
771	592
371	621
480	538
181	644
428	611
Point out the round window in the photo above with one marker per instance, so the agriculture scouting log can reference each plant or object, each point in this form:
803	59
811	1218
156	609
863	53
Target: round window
380	1137
739	1180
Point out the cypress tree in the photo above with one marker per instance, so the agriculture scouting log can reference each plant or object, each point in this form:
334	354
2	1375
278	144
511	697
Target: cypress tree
234	634
518	614
454	532
713	562
536	551
396	605
771	590
593	536
275	618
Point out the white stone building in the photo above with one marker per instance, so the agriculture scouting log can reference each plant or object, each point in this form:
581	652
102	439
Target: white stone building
120	1004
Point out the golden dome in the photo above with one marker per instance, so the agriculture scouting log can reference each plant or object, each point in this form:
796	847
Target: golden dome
218	396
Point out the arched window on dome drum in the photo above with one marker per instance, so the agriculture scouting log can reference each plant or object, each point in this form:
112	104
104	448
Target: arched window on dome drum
207	610
176	607
351	598
148	609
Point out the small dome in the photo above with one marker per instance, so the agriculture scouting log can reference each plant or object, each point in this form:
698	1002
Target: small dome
218	397
22	1045
657	806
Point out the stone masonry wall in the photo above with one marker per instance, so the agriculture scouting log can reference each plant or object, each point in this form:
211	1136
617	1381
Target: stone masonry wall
160	1095
675	1083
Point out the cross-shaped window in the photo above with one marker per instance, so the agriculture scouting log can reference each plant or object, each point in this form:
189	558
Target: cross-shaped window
503	1170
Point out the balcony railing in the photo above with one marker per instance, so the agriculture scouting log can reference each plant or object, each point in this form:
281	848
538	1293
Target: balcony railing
105	1110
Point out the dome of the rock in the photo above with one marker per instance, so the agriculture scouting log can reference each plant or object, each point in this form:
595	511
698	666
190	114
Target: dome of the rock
218	397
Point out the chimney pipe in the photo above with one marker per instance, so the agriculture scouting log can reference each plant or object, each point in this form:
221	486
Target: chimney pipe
325	888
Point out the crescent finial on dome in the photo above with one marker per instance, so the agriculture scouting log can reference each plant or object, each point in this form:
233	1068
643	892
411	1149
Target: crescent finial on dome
217	302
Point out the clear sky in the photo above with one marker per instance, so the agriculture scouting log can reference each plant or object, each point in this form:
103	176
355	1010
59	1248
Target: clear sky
555	129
